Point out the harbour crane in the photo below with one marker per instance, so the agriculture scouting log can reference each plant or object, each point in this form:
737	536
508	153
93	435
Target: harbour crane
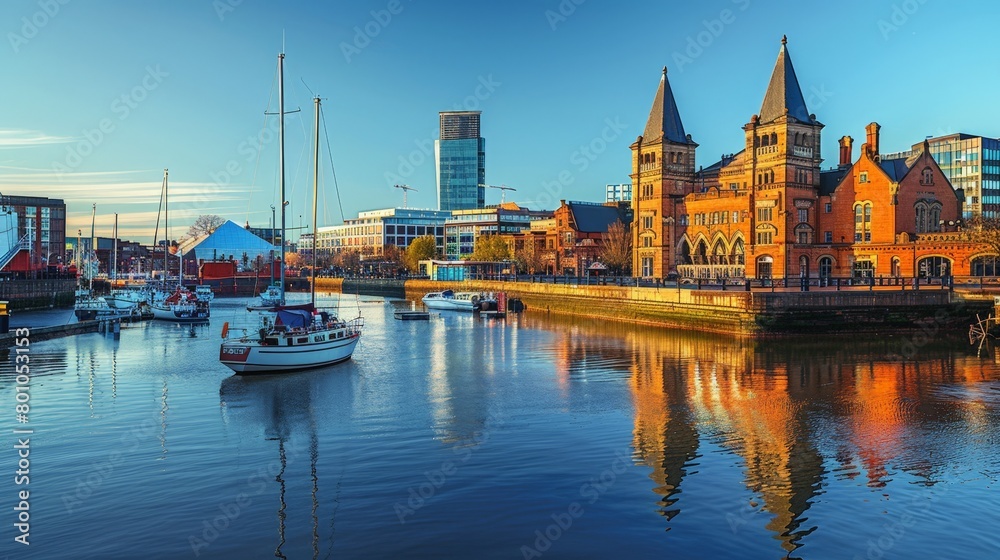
404	188
503	190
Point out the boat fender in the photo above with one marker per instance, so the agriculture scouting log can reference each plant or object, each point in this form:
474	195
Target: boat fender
225	329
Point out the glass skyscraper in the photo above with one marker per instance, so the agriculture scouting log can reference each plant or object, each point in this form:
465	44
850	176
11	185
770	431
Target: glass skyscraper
971	163
460	159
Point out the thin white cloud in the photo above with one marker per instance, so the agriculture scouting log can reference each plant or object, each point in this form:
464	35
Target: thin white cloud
17	138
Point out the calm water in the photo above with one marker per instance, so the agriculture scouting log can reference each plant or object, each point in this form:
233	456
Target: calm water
458	438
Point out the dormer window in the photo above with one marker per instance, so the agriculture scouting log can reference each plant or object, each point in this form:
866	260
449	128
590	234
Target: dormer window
863	177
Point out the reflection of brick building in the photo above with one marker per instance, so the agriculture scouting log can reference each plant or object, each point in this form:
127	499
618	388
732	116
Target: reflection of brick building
770	211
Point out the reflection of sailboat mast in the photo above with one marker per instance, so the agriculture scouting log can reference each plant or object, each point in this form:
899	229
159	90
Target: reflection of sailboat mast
163	419
313	459
281	499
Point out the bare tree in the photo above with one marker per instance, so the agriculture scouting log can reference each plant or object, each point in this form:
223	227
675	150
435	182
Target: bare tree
204	225
985	231
616	251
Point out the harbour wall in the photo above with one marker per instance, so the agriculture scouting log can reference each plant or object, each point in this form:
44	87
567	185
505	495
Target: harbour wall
30	294
756	313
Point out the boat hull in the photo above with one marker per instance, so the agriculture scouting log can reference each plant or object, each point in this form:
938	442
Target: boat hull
247	358
180	316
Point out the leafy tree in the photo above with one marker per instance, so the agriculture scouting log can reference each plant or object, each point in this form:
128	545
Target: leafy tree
204	225
529	260
420	249
616	251
293	260
491	248
347	260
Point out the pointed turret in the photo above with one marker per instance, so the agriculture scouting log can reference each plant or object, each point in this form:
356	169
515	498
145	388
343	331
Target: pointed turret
664	120
783	92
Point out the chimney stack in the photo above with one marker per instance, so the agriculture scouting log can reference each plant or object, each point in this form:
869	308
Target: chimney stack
845	151
872	132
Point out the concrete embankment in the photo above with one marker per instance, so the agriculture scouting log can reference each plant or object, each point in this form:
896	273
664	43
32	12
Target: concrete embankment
38	334
757	313
37	294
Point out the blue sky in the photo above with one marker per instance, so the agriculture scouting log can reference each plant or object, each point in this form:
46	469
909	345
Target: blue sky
564	85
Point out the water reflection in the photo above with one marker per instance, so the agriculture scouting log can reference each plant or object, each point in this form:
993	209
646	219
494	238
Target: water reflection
288	410
791	411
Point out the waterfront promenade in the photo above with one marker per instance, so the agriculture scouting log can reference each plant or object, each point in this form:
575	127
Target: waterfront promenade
757	311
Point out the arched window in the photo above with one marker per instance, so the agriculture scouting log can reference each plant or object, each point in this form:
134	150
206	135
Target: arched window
927	176
825	267
685	252
934	267
988	265
719	252
737	252
920	209
764	265
756	141
934	217
652	158
701	253
897	269
774	138
765	141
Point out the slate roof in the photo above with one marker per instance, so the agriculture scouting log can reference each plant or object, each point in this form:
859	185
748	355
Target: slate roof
896	169
594	218
829	179
664	119
783	92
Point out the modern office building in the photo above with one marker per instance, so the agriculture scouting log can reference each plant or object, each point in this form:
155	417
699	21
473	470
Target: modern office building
373	230
971	163
619	193
460	160
464	227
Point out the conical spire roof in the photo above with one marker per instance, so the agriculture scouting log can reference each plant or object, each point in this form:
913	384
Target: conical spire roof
783	93
664	120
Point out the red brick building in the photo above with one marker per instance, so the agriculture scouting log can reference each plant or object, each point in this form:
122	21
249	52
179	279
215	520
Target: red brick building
769	211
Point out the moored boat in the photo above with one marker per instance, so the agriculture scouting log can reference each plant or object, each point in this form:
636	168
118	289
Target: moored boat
456	301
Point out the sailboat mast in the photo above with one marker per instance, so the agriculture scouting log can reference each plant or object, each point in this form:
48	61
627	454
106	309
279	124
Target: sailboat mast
166	230
281	164
312	283
93	243
114	252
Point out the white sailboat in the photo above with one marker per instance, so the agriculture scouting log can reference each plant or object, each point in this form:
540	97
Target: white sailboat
181	305
299	336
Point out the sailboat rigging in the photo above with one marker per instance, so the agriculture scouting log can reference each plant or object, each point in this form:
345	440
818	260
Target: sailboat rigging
183	305
299	336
